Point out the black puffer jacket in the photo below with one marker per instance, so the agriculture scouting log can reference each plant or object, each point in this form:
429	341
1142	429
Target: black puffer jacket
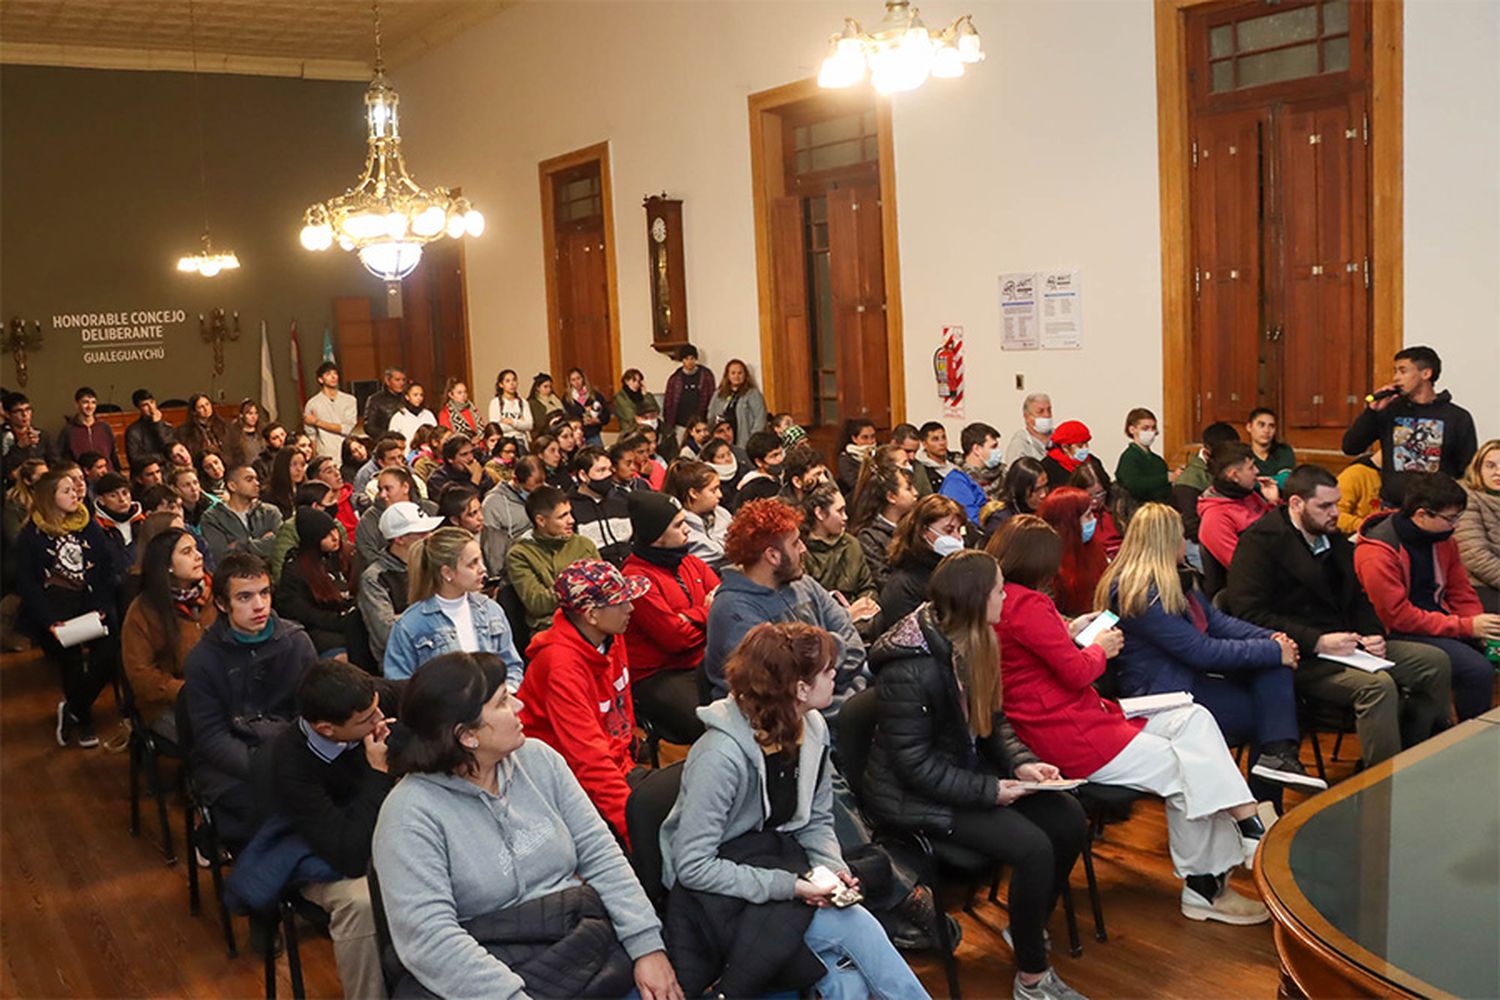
925	764
905	585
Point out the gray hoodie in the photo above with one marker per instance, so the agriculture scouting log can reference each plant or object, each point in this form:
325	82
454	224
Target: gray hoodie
447	851
741	604
724	795
505	521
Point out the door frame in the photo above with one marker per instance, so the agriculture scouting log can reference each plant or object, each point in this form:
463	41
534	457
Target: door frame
547	172
768	180
1179	363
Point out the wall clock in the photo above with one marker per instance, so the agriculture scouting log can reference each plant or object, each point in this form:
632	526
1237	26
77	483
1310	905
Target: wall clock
668	278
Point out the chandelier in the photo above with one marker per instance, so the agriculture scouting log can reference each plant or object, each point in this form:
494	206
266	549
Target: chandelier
900	54
205	262
387	217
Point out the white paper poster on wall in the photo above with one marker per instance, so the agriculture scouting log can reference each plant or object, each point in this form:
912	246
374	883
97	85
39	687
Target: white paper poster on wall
1018	312
1062	309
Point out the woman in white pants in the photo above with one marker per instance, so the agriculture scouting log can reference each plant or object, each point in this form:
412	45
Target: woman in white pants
1179	755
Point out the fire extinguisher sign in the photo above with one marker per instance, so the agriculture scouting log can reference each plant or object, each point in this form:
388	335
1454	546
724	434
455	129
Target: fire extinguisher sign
948	367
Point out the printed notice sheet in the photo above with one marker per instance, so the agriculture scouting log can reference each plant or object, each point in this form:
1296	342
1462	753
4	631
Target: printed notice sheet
1018	329
1061	294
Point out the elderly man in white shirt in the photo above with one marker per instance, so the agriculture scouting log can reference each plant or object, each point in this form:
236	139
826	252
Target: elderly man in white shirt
330	415
1033	440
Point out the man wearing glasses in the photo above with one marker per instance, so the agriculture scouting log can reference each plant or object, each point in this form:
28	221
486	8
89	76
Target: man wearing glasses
1409	564
21	439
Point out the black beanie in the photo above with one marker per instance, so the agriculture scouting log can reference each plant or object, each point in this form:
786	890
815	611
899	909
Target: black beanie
313	525
650	514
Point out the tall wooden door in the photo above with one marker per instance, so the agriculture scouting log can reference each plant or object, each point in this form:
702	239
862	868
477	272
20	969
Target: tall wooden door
1280	210
790	307
858	292
583	306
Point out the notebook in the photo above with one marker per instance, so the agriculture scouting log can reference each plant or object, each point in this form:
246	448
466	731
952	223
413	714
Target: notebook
1153	704
1360	660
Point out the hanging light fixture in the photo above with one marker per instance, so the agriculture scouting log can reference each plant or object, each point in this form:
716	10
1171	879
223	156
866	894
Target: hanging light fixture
900	54
387	218
206	262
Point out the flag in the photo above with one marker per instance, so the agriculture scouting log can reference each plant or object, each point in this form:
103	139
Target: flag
296	356
328	346
267	378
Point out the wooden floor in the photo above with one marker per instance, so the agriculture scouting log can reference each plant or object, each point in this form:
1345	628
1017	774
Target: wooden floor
86	911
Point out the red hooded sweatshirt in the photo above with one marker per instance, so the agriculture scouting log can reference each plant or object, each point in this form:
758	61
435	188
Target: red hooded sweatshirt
1384	569
1221	519
670	623
577	701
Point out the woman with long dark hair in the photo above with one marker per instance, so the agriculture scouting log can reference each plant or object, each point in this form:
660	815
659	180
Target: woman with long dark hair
164	623
243	443
884	494
946	760
932	529
459	414
288	472
758	785
1025	487
487	822
583	402
204	431
65	569
314	588
508	409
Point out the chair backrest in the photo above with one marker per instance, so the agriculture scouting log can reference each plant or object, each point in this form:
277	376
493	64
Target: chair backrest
1215	576
515	615
645	811
391	969
856	734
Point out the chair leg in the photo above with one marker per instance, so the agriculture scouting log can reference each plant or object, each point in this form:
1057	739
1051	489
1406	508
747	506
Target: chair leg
653	750
1318	755
940	934
995	887
216	870
1239	754
153	780
269	945
135	786
1338	741
1094	901
1075	947
195	898
293	958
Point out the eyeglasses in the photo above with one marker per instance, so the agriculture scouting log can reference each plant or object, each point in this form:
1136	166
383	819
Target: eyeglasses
1450	519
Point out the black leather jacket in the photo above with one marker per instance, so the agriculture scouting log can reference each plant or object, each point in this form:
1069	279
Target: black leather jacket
926	764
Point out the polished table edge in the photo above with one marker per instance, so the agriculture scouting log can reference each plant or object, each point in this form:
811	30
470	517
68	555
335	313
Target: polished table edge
1294	913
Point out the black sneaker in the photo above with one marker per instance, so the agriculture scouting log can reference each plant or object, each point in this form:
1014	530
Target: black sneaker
1286	770
87	738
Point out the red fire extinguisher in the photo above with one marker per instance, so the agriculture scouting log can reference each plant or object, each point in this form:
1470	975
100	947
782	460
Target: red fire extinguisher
946	366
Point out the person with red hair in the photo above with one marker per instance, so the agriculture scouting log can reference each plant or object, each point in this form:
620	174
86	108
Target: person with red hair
1071	514
765	544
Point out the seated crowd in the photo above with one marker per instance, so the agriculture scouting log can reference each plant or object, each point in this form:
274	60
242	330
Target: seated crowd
441	639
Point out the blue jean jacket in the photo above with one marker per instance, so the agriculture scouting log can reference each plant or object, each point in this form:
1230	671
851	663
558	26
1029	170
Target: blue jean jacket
423	631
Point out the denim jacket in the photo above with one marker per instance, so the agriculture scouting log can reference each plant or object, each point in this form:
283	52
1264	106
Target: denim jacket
423	631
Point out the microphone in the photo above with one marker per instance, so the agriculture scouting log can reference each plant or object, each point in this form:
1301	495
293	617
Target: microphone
1382	394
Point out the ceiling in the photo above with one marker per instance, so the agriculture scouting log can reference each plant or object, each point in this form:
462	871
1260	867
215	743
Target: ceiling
321	39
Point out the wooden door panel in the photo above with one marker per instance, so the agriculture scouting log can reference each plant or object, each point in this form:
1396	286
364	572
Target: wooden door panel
857	274
583	308
1321	158
793	352
1226	204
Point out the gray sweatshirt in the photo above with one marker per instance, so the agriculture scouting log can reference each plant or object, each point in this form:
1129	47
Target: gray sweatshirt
447	851
741	604
724	795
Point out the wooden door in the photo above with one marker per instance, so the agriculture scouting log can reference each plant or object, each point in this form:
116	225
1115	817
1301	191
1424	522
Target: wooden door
434	342
1323	311
583	307
858	283
790	308
1227	254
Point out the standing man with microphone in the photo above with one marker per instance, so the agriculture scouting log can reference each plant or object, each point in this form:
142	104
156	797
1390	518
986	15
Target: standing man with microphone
1419	428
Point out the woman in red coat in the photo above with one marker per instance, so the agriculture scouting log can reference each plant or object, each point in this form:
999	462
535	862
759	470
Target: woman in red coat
669	625
1178	754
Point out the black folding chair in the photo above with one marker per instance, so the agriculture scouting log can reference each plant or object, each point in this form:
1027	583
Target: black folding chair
202	833
147	747
645	811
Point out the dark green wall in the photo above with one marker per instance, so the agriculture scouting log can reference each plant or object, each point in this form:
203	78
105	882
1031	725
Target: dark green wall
99	196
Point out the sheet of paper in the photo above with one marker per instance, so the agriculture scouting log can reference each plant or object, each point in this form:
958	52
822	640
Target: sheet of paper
85	628
1018	312
1151	704
1360	660
1062	309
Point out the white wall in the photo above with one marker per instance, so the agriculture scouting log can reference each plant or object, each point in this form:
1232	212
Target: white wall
1452	186
1043	156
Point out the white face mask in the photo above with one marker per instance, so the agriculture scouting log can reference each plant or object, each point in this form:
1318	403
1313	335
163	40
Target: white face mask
1145	438
1043	425
946	545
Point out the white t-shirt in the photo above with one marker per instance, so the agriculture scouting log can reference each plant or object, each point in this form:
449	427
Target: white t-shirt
406	422
341	410
462	617
517	411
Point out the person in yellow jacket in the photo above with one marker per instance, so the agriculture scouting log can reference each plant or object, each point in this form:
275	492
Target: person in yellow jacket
1359	488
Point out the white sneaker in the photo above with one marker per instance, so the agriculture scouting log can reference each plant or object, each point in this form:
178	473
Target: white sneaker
1229	907
1049	987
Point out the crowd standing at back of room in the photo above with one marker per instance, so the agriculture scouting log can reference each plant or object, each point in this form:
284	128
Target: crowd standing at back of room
459	626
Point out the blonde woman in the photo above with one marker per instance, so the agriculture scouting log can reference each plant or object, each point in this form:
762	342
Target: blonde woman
1478	530
1176	640
448	612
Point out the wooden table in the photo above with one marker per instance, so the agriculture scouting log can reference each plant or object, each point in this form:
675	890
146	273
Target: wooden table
1388	884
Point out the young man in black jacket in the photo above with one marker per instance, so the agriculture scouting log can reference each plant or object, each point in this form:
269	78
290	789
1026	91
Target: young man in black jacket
150	435
240	683
1419	428
1294	572
329	777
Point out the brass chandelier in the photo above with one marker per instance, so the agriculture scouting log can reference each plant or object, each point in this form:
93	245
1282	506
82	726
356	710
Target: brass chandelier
900	54
387	217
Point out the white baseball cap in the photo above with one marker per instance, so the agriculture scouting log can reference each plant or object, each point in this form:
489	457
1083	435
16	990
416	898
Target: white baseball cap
406	518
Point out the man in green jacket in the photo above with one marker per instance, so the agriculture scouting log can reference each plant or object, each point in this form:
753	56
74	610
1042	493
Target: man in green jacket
534	561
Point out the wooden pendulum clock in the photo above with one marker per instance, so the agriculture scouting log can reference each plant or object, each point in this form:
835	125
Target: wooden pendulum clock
669	324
